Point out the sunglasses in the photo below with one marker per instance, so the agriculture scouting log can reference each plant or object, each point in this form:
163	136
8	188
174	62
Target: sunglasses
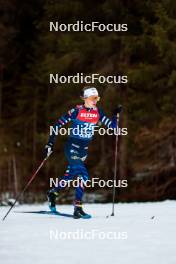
92	98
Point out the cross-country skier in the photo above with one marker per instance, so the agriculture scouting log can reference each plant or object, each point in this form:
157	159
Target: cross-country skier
83	117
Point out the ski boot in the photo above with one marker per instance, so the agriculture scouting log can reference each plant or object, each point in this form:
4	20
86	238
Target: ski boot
78	211
52	200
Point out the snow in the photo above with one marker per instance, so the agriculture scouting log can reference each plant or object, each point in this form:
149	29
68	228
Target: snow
145	234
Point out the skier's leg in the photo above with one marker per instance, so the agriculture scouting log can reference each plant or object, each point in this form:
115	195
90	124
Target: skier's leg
53	193
65	178
83	176
70	173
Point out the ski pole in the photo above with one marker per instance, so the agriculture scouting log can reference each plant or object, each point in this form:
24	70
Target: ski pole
115	161
29	182
115	169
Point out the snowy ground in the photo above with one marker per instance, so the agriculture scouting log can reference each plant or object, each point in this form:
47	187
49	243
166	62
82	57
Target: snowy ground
140	233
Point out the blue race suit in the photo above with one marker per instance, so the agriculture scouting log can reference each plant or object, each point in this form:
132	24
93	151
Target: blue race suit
83	121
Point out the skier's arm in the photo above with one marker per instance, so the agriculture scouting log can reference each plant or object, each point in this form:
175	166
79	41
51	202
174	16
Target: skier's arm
63	120
110	123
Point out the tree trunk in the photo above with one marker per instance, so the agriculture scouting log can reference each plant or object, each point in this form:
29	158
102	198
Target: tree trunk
15	175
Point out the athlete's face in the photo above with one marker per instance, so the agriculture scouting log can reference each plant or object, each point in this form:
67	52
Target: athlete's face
91	101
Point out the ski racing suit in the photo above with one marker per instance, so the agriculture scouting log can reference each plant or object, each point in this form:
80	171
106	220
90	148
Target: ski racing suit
76	148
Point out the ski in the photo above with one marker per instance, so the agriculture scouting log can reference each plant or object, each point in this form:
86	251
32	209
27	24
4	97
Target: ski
55	213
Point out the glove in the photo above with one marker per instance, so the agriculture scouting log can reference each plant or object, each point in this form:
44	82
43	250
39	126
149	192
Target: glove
48	149
118	110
